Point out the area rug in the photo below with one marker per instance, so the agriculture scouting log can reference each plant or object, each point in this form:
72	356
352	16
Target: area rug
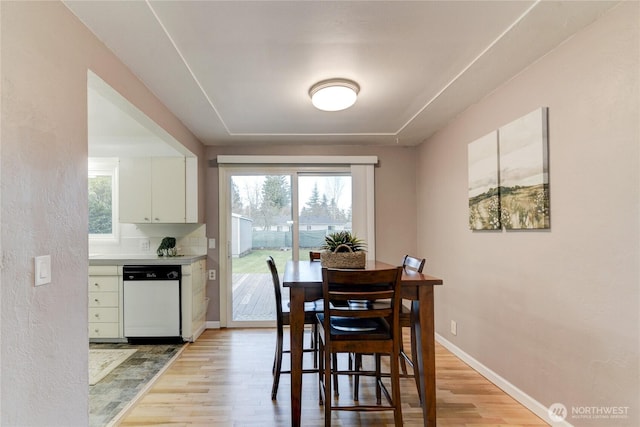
102	362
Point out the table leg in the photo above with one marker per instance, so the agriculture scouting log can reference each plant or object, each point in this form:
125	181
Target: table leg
296	332
426	354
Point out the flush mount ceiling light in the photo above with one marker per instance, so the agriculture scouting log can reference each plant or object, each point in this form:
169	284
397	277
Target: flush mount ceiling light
334	94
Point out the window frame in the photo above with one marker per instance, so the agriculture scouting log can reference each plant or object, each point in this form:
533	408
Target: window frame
360	168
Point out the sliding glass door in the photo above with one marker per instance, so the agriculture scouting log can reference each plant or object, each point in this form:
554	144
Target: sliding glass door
279	213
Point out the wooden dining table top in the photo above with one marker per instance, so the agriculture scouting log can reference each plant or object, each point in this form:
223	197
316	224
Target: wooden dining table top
309	274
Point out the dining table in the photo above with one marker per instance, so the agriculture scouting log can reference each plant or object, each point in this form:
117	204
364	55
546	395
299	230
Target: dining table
304	280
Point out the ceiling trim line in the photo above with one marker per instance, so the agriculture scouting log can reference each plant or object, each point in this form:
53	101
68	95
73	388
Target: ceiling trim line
476	59
186	64
313	134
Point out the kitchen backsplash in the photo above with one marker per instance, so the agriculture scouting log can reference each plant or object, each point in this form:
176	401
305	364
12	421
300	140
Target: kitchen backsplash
191	239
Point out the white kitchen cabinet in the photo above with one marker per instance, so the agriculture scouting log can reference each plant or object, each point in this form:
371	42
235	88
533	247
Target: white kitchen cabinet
194	301
104	303
154	190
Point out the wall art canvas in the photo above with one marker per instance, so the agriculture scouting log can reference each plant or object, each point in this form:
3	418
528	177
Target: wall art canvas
484	197
524	174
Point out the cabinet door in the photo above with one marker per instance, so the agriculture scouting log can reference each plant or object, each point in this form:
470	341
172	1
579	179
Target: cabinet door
135	190
168	189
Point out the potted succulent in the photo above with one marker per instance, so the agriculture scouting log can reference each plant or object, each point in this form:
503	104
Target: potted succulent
167	247
343	249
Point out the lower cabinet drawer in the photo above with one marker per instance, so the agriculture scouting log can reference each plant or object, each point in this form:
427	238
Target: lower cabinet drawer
103	299
102	315
103	330
103	284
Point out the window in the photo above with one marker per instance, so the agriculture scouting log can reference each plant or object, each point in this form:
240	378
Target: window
103	198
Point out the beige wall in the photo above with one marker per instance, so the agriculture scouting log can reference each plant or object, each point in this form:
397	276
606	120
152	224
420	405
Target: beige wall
46	53
554	312
394	205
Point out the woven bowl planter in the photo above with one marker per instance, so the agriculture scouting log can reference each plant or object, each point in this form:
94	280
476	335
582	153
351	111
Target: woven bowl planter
340	259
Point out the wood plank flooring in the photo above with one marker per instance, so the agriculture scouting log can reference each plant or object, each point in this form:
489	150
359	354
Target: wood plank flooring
224	379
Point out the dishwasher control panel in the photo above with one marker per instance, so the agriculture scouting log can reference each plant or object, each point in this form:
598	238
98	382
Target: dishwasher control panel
151	272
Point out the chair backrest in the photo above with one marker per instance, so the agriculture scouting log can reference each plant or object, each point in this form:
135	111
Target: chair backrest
314	256
276	289
341	286
413	263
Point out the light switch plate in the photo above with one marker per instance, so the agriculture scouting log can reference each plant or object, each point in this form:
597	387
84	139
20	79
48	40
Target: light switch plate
212	243
43	270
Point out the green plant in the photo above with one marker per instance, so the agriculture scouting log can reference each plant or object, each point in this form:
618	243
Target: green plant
333	241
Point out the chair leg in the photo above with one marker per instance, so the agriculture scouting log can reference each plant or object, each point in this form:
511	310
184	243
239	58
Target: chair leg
314	344
403	364
357	364
335	374
414	358
327	388
277	366
321	389
379	379
395	391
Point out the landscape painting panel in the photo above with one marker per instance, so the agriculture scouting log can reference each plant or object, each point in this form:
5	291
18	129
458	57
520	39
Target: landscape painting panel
484	197
524	175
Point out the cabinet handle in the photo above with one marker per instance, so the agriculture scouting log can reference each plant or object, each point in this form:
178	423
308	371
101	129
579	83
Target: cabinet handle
96	285
97	300
156	219
97	316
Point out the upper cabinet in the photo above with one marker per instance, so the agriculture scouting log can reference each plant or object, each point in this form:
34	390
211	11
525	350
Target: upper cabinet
157	190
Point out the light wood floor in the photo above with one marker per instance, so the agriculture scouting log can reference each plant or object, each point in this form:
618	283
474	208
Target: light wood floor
224	379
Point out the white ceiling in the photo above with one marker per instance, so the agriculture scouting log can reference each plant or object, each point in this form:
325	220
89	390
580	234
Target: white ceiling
238	72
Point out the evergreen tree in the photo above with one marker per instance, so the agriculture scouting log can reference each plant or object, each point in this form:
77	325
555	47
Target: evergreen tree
276	192
276	199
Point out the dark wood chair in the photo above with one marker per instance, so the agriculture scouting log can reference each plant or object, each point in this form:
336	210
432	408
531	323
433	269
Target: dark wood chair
407	321
282	319
372	327
314	256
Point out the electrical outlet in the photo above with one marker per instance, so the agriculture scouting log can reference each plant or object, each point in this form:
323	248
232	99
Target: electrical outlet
454	327
212	275
145	245
212	243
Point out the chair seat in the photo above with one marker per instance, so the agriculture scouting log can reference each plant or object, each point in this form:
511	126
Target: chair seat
310	310
317	305
357	329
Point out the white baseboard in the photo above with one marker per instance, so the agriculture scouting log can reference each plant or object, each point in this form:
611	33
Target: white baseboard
212	324
527	401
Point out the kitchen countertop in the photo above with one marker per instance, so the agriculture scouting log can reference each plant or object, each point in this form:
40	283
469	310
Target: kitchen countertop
142	259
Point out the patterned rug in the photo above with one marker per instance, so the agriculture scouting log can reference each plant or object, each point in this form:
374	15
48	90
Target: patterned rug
102	362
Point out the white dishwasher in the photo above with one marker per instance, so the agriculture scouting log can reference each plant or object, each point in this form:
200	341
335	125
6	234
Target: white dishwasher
151	301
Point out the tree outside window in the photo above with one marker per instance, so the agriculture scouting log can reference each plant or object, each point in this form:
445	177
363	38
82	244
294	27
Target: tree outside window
100	204
103	199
